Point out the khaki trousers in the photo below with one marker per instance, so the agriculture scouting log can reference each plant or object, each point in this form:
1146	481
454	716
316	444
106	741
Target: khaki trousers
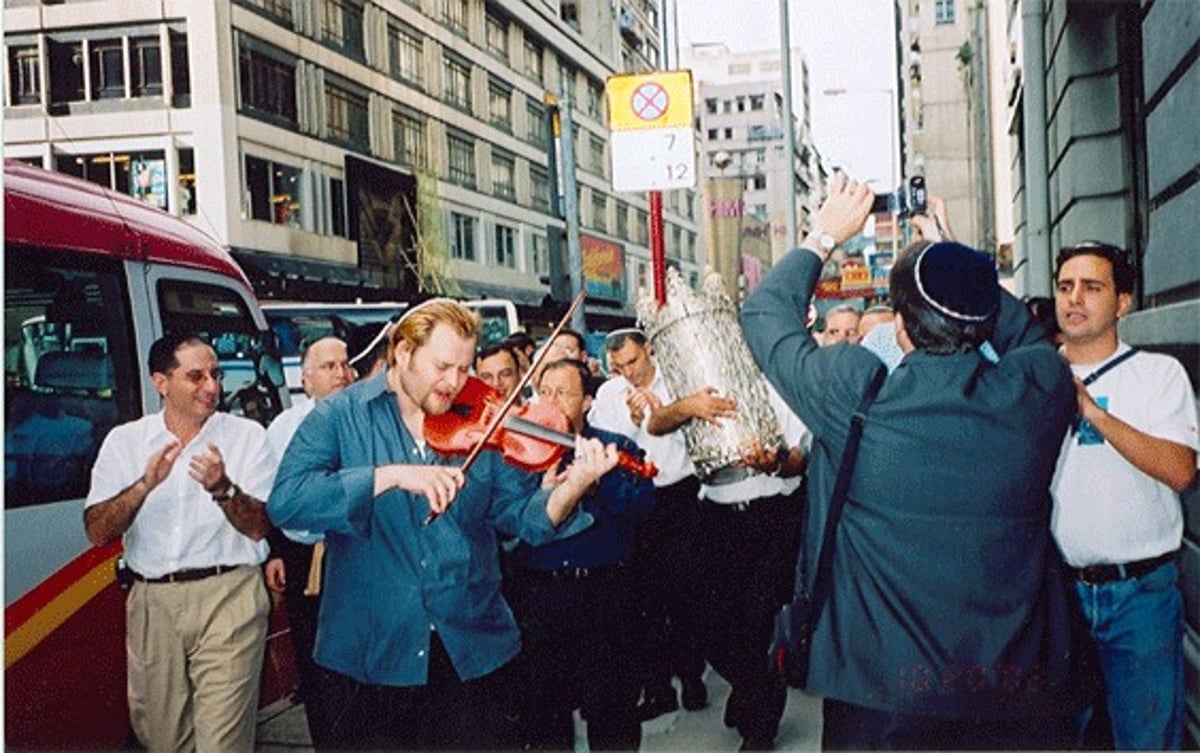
195	652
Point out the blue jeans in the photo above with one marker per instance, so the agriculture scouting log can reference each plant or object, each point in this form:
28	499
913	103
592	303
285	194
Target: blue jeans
1137	624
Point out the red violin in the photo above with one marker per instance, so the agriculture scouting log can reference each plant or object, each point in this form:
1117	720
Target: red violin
533	437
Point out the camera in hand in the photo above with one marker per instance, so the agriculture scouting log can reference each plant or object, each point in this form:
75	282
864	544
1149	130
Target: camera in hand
904	201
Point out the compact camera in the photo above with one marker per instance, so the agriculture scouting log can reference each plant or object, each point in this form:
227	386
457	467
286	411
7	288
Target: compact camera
905	201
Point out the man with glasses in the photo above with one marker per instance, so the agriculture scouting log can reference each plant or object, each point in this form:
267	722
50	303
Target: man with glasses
571	597
1117	514
664	564
194	535
296	555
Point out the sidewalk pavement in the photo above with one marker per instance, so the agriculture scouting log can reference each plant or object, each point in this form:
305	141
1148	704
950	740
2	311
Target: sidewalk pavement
282	729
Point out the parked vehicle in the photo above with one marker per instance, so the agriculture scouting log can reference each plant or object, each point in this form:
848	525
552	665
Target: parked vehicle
91	279
359	324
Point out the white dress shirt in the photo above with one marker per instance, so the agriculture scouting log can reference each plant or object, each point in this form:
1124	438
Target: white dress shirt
279	434
668	452
179	526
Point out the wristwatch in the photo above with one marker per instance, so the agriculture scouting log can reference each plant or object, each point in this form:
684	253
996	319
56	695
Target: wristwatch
824	241
230	492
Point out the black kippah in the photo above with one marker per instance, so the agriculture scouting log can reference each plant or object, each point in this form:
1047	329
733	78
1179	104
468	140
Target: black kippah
958	282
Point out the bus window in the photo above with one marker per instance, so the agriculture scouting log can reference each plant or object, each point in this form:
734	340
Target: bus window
248	357
70	371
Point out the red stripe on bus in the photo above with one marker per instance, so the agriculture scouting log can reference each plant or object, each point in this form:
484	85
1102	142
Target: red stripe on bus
45	592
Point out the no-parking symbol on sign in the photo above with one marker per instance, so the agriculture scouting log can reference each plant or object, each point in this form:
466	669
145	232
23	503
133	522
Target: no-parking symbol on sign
650	131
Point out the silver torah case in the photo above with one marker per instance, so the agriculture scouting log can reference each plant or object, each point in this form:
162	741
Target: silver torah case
698	343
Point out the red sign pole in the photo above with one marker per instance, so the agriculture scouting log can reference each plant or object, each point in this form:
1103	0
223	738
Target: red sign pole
658	261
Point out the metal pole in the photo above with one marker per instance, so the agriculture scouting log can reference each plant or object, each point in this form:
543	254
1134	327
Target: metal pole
658	261
894	152
571	208
789	125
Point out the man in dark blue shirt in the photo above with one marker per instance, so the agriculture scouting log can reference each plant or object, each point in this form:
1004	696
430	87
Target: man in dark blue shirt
571	598
413	629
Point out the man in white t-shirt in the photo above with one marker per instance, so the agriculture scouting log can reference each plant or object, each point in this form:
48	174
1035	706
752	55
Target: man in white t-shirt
1117	514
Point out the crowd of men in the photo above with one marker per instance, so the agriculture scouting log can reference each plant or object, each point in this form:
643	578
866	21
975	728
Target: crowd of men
1003	565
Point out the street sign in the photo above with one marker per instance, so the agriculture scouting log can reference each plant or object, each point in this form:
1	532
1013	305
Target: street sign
651	136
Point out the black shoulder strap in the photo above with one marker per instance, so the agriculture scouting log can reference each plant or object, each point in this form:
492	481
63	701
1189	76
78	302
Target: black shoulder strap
841	489
1108	366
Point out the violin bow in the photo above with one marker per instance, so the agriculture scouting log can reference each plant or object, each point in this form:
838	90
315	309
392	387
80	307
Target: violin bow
511	400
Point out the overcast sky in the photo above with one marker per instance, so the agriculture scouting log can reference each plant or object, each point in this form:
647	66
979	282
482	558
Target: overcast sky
848	45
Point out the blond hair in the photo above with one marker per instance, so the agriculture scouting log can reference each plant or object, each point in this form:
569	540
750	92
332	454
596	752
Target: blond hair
418	322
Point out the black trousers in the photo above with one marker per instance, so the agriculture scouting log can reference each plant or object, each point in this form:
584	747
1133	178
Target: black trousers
302	610
444	714
576	653
749	555
665	587
848	726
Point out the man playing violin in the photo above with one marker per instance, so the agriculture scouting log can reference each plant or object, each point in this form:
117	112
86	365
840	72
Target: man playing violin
414	635
571	597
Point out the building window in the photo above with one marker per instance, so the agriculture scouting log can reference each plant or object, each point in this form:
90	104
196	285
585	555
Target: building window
622	228
141	175
408	137
458	82
346	117
539	254
25	75
756	182
187	181
539	186
108	69
145	67
497	34
268	84
710	106
280	10
454	13
506	246
599	211
535	113
342	26
181	75
461	152
406	54
641	231
462	236
595	99
66	61
534	64
273	192
756	102
943	11
566	79
504	170
500	104
337	207
596	154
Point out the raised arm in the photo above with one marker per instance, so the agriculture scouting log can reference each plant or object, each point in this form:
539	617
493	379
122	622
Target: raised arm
109	520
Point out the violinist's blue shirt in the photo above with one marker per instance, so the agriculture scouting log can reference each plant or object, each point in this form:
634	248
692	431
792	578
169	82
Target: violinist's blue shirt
390	579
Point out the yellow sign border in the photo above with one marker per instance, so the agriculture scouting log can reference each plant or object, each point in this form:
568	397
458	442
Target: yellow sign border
620	89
